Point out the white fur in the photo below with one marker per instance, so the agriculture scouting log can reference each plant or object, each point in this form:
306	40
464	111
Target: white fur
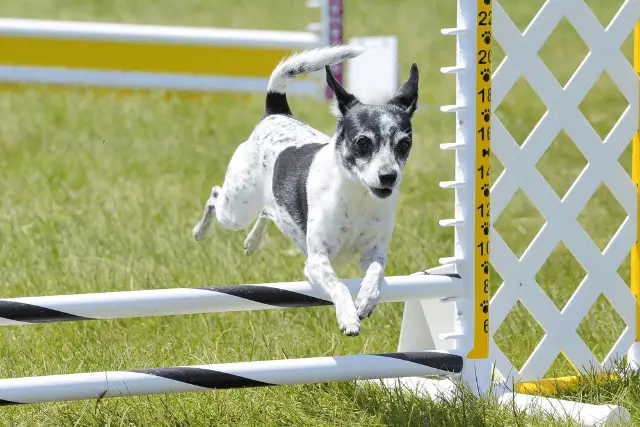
308	61
345	221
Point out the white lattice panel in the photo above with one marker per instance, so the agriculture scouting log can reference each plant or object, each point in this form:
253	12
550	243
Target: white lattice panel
561	224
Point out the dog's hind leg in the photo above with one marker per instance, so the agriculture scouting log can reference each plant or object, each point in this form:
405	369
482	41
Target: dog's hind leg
256	235
241	196
237	203
199	232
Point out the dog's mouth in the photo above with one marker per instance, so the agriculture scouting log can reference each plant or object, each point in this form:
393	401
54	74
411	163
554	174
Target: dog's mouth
382	193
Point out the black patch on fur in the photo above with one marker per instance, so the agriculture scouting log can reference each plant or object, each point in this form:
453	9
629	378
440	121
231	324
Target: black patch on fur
300	69
276	103
367	118
290	173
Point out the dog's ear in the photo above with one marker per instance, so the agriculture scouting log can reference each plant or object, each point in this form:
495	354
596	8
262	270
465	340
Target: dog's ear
344	99
407	96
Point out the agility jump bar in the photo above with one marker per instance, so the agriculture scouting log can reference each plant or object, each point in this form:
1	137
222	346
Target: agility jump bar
142	382
131	56
215	299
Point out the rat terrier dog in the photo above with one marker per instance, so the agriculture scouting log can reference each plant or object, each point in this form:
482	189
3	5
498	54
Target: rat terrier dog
335	197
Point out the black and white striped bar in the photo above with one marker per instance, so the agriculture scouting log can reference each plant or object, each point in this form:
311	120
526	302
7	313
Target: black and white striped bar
142	382
215	299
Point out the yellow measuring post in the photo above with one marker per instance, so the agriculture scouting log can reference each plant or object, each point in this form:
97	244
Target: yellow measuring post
483	181
635	172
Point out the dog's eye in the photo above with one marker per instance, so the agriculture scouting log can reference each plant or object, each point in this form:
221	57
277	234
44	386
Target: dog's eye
404	144
363	145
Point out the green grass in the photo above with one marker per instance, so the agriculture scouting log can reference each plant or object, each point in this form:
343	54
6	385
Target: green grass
99	193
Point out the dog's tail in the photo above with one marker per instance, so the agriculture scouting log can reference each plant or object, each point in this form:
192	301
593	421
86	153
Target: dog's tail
302	63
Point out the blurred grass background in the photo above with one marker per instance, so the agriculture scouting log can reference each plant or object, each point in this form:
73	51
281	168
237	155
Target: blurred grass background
100	191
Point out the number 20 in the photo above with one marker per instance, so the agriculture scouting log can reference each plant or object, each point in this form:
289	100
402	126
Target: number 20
485	57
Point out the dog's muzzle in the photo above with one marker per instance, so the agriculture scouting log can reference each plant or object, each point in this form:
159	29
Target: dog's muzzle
387	181
382	193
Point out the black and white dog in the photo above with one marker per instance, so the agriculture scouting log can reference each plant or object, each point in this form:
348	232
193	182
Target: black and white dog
335	197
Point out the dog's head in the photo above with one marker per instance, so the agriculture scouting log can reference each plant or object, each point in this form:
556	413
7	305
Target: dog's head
373	141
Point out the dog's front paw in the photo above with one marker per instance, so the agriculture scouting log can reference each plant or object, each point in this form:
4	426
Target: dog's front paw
367	299
348	321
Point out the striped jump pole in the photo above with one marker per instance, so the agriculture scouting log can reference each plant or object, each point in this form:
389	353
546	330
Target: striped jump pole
215	299
142	382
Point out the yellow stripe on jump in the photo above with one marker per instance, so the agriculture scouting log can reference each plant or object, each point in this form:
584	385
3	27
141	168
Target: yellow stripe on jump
232	61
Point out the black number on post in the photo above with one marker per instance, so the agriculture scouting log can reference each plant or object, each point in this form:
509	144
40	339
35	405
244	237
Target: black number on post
483	246
485	18
485	57
488	95
485	134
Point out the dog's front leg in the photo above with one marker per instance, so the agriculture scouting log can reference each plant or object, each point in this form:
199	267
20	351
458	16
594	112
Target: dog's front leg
372	265
320	273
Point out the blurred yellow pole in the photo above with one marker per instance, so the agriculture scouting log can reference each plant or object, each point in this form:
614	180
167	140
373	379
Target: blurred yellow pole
635	173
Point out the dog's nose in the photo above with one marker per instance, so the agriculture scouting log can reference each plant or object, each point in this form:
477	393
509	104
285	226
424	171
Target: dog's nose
387	179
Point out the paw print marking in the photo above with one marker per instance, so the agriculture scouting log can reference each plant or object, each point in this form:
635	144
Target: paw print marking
485	267
486	36
485	74
485	228
486	115
485	190
484	305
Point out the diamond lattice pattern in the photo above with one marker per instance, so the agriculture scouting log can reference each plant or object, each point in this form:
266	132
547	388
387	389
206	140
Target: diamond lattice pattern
560	212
